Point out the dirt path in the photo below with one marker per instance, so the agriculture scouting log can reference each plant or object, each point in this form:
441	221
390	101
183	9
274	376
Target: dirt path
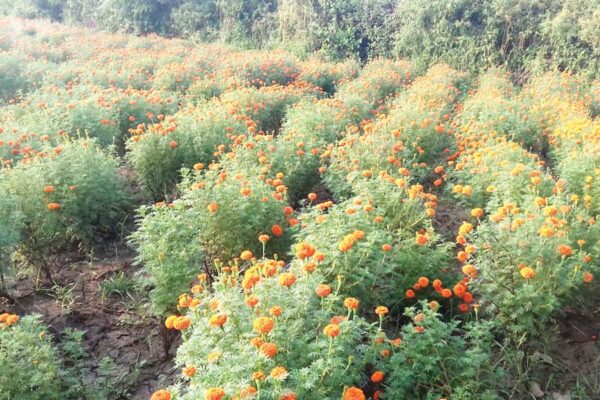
117	327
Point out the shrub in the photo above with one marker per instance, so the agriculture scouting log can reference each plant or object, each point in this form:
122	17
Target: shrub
67	195
29	365
525	282
328	75
266	105
374	242
279	345
378	80
166	242
437	359
192	136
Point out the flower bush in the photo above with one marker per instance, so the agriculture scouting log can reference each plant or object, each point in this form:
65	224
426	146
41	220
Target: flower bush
29	363
192	136
67	195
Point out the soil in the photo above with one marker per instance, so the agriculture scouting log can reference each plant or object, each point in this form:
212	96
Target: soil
116	327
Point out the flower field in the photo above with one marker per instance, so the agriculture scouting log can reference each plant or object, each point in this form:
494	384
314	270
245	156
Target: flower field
300	228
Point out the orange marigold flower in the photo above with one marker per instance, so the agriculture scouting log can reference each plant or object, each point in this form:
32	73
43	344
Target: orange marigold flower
377	377
337	319
446	293
263	238
268	350
279	373
527	272
48	189
386	247
182	323
275	311
218	320
423	282
214	394
252	301
421	240
277	230
381	311
463	308
353	393
246	255
564	250
587	277
312	196
161	395
477	213
263	325
323	290
170	321
351	303
213	207
287	279
331	330
53	206
258	376
410	294
189	371
288	396
172	144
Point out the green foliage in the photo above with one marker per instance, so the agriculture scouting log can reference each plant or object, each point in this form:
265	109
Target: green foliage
29	363
438	359
72	195
187	138
166	241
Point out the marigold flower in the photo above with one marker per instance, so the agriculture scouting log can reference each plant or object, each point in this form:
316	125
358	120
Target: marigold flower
217	320
48	189
527	272
446	293
246	255
213	207
331	330
263	238
323	290
421	240
351	303
268	350
386	247
588	277
258	376
161	395
263	325
252	301
169	321
423	282
381	311
287	279
53	206
410	294
182	323
377	377
277	230
189	371
353	393
279	373
337	319
463	308
477	213
564	250
275	311
312	196
288	396
214	394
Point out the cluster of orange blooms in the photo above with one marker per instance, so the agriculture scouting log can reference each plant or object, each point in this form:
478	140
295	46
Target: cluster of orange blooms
7	320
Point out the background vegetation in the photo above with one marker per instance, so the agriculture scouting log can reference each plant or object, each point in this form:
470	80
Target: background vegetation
522	35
